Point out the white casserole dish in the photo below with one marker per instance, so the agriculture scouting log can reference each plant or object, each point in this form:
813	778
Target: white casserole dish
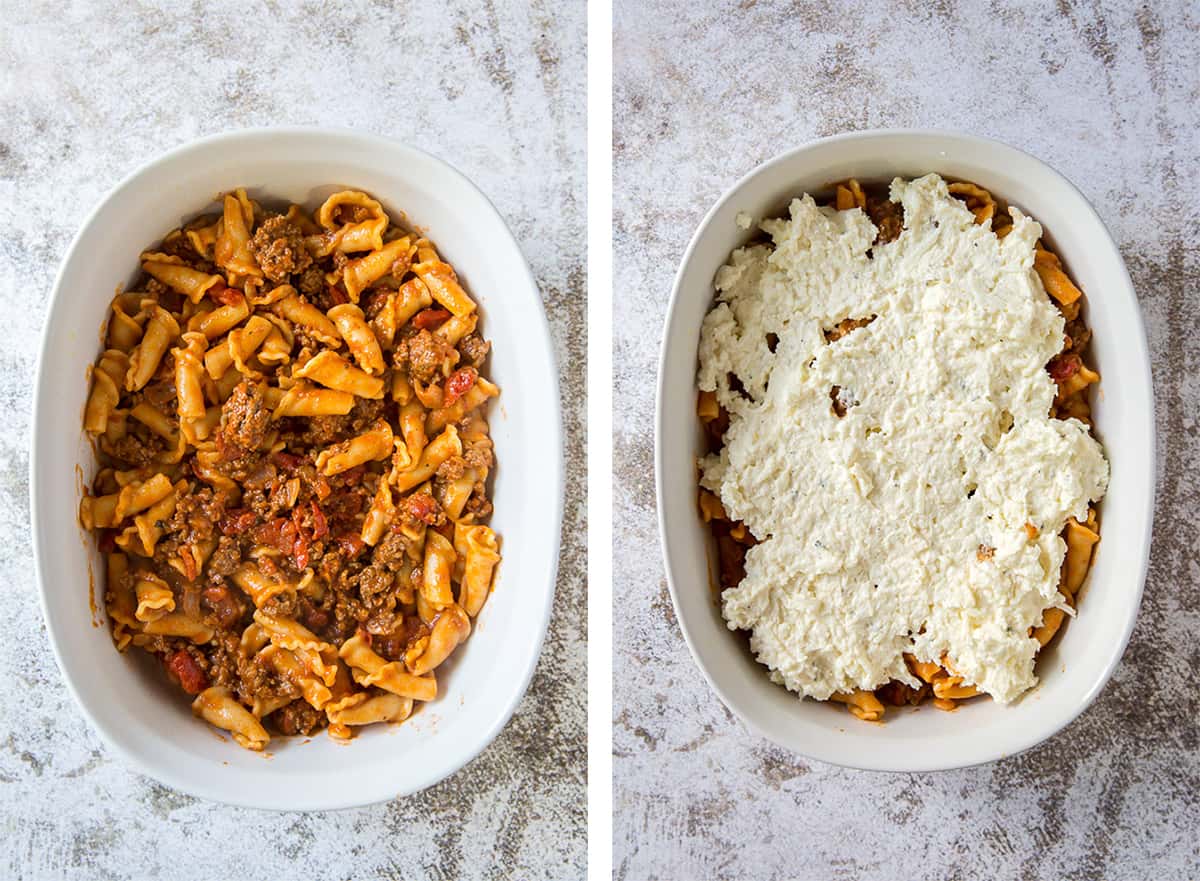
126	696
1075	667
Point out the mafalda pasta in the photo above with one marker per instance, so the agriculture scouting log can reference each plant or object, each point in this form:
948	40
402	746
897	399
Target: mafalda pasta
289	419
901	470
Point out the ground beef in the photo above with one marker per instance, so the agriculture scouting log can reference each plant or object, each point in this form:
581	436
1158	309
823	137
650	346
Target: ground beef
348	609
373	301
897	694
452	469
383	622
224	655
164	646
160	395
223	605
377	589
224	559
1078	336
238	464
196	515
421	507
392	644
390	552
302	339
298	717
181	245
344	510
312	282
134	451
424	354
351	213
245	417
278	246
365	413
474	349
256	680
478	456
888	217
400	266
267	505
478	504
322	431
261	476
153	287
282	605
731	555
329	565
316	616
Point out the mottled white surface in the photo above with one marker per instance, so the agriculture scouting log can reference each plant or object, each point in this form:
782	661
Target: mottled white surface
89	91
1109	96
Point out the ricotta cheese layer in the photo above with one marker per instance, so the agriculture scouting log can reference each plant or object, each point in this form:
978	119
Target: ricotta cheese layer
871	524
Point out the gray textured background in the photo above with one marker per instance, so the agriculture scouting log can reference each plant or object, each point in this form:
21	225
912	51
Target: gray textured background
89	91
1106	94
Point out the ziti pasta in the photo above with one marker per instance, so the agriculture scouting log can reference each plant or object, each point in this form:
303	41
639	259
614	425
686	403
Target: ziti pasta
901	470
293	456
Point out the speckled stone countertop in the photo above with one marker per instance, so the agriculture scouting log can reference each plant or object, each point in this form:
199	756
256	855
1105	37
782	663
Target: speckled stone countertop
1106	93
89	91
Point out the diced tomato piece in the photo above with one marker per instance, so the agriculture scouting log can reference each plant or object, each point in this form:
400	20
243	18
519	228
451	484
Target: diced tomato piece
427	319
351	544
287	461
226	449
271	533
300	551
287	537
320	524
373	301
190	571
314	618
184	667
268	567
225	295
1063	367
337	295
458	384
421	506
323	488
237	521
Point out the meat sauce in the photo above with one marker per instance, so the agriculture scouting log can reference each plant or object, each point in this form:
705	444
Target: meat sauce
263	497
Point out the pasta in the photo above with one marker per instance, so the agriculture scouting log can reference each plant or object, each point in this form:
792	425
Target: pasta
293	458
1074	379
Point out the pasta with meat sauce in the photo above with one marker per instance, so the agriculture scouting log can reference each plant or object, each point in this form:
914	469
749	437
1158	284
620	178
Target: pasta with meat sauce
293	458
939	682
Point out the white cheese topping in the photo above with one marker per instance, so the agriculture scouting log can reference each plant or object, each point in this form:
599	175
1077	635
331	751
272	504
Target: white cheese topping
870	524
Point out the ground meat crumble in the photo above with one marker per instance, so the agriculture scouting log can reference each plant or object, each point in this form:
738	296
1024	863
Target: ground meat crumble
278	246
